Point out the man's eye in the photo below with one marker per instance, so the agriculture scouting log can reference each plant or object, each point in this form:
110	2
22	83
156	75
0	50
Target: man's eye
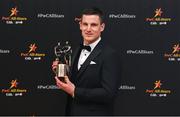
94	25
85	24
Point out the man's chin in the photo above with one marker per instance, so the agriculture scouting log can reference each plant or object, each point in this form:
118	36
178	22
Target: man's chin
89	38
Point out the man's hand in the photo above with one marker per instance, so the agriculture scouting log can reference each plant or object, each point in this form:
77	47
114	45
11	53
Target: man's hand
54	65
68	87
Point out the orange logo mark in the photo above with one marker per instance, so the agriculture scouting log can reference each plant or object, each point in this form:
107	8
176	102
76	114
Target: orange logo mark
157	84
13	84
158	12
14	12
176	48
32	48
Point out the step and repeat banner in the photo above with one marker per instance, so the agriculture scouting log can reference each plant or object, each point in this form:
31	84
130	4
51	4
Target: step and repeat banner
145	33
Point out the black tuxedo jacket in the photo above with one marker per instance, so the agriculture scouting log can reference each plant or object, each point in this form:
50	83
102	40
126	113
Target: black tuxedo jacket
96	82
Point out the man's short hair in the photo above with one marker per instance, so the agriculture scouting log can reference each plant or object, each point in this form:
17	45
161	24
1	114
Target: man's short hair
93	11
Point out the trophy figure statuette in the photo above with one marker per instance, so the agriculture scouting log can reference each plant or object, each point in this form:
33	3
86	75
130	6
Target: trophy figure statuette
63	56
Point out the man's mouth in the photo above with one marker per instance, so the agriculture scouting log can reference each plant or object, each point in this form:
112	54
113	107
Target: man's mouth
89	35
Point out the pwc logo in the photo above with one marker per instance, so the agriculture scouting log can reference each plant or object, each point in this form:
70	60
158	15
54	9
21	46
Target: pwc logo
31	54
174	55
157	90
13	90
157	18
13	17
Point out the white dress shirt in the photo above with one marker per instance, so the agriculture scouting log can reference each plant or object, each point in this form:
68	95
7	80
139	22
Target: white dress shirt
84	53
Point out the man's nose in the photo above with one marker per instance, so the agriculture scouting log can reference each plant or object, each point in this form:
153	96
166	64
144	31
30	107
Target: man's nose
89	28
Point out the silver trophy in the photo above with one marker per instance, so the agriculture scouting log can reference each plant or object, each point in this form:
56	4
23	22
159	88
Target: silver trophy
63	56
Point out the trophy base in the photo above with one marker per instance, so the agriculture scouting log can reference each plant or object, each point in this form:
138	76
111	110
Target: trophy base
62	79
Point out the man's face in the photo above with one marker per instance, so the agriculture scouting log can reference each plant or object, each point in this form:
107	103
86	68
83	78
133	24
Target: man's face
91	28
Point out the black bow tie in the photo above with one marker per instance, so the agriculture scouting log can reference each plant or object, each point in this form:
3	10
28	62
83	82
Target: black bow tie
88	48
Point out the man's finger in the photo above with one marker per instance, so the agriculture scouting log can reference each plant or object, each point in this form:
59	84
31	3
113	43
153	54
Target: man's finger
59	86
62	84
54	65
57	80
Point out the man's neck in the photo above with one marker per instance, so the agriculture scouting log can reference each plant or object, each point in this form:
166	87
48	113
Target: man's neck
93	44
89	43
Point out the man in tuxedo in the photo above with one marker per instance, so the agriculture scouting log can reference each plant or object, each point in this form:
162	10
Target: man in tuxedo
93	82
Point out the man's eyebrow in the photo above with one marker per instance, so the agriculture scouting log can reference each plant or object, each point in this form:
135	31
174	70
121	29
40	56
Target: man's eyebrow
94	24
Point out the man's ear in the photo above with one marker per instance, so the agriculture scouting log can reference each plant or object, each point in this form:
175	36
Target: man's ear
102	27
80	24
